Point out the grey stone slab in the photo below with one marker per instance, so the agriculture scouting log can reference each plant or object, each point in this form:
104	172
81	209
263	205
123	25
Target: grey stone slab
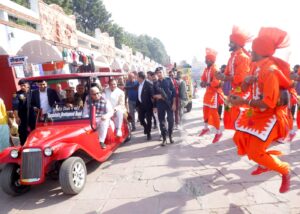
47	206
87	206
126	190
147	205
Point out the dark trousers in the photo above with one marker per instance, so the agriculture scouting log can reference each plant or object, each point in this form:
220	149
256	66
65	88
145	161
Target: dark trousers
145	113
162	110
220	108
154	119
24	130
23	133
293	109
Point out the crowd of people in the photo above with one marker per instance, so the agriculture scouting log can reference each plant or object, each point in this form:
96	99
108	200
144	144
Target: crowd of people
258	92
154	98
259	113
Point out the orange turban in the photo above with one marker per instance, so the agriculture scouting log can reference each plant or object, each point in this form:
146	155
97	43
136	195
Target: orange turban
211	54
239	36
268	40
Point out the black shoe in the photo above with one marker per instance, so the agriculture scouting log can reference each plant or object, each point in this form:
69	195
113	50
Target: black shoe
171	139
164	142
103	146
149	137
133	129
155	127
145	132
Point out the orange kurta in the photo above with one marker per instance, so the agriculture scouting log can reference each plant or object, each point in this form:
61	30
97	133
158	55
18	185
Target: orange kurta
258	128
238	66
210	101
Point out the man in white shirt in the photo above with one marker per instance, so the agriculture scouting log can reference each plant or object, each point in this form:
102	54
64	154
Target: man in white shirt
44	98
145	104
104	112
117	99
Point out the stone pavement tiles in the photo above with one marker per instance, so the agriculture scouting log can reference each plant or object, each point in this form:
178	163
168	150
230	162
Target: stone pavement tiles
192	176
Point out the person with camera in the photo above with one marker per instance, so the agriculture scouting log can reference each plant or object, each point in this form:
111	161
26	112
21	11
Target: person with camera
165	104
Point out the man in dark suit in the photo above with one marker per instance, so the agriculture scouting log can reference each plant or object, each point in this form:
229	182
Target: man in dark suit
44	98
165	103
144	103
23	112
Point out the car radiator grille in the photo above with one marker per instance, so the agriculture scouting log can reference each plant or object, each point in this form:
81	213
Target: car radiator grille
31	169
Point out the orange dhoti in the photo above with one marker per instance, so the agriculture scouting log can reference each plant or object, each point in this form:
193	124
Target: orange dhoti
232	113
255	133
210	109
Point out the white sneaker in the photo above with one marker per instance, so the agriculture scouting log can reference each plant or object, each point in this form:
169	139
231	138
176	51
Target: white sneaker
119	133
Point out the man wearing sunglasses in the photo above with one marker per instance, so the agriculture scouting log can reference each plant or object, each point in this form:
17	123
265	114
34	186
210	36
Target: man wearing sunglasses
104	112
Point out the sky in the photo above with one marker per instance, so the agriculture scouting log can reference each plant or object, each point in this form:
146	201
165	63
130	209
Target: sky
187	27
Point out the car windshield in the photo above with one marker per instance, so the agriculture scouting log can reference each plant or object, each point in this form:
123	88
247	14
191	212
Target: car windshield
66	99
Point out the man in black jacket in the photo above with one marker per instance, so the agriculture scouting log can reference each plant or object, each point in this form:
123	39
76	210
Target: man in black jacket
165	101
44	98
23	112
144	103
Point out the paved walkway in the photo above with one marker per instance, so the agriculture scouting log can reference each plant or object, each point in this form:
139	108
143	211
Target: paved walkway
192	176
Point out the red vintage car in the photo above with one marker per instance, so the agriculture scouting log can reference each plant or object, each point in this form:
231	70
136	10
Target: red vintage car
61	144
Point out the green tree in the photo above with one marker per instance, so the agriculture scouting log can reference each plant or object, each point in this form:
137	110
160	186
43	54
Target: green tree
91	14
24	3
117	32
65	4
150	47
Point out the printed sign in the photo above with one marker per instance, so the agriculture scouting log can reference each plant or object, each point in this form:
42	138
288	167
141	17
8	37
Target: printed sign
65	113
17	60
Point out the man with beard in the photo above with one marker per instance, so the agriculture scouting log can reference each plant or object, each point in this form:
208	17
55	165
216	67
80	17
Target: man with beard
237	69
266	118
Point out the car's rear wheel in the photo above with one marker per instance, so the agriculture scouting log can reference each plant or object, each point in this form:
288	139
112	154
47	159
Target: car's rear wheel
72	175
10	180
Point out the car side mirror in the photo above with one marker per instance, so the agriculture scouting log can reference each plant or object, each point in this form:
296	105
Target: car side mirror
93	118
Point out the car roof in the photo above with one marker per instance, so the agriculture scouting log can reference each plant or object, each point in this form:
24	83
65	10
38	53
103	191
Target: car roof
75	75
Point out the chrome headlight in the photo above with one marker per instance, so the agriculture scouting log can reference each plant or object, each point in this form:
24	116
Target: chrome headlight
14	153
48	152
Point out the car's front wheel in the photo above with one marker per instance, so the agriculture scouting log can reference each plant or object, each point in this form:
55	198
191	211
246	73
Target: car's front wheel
10	180
72	175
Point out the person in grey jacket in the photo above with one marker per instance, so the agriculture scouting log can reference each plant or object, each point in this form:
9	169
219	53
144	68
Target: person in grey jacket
183	96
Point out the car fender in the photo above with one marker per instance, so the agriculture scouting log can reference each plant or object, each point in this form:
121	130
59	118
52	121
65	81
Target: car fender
6	158
64	150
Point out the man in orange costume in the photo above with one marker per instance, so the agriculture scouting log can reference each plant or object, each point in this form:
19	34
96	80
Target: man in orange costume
237	69
210	101
266	119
